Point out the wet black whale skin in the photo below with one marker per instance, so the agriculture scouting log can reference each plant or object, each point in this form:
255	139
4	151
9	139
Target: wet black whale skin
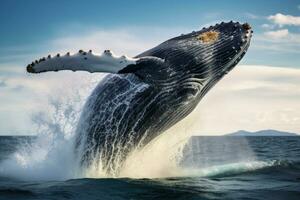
132	107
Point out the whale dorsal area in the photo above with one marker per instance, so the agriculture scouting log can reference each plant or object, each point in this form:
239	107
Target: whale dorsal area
83	61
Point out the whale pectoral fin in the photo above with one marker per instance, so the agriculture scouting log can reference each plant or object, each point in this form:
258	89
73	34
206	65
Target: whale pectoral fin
144	64
82	61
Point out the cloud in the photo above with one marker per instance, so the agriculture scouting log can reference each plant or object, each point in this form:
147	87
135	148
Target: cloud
282	33
252	98
120	41
129	40
2	84
253	16
278	41
281	19
282	36
268	26
298	7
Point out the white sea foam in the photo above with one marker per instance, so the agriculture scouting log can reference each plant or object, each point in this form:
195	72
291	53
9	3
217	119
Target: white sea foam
227	169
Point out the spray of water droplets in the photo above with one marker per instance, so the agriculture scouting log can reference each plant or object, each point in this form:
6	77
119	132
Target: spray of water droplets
51	155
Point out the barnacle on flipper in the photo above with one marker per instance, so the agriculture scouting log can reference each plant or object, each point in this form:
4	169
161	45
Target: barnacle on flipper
208	37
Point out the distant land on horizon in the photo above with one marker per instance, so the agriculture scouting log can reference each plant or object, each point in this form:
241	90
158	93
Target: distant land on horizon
269	132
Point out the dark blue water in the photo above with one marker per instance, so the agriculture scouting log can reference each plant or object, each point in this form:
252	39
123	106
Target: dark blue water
227	168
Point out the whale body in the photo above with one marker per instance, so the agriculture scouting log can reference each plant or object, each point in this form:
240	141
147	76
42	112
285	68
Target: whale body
146	95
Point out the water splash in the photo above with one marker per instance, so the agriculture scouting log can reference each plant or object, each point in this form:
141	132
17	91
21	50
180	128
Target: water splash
172	154
48	157
51	155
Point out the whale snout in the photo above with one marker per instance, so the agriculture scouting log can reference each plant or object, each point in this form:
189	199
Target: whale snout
235	40
220	47
246	26
207	54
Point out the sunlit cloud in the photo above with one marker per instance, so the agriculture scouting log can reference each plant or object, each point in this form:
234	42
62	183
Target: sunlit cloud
2	83
282	36
281	19
281	40
268	26
282	33
251	98
126	40
276	39
253	16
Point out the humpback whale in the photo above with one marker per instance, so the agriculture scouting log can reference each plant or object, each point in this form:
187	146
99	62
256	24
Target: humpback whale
145	95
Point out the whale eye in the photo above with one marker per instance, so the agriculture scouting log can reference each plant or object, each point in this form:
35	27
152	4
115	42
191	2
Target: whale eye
208	37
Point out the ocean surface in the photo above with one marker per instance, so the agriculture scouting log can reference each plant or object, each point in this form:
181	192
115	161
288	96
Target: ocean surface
213	168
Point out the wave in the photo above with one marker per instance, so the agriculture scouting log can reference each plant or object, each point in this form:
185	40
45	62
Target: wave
228	169
238	168
15	192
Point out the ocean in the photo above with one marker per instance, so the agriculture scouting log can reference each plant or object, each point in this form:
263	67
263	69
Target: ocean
213	168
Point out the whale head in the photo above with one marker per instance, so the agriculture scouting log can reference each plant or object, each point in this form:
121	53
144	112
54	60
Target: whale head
196	61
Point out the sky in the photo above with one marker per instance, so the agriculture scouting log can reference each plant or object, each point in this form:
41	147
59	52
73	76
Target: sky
261	93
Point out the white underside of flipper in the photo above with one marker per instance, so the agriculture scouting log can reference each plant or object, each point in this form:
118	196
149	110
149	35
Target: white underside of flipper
82	61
